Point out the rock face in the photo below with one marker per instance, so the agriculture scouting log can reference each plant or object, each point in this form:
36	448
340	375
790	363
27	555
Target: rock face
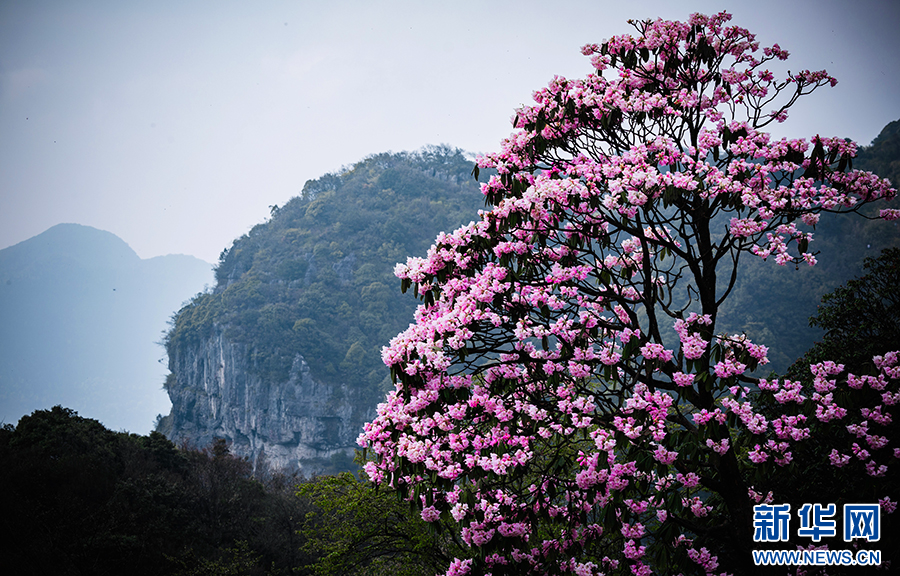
282	358
298	423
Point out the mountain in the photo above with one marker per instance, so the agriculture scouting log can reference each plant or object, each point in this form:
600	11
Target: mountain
82	316
882	156
282	357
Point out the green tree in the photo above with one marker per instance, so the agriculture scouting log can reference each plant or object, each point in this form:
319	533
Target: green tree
78	498
358	529
861	320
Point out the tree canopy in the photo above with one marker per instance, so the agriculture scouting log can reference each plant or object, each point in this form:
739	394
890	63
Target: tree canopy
79	498
567	395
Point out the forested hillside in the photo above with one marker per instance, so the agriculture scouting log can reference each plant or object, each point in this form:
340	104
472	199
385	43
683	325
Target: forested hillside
305	302
316	278
883	155
78	498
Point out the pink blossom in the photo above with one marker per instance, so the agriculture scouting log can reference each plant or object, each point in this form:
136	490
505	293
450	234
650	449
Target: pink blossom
664	456
719	447
682	379
838	459
702	557
430	514
633	552
459	567
728	368
652	350
875	469
758	455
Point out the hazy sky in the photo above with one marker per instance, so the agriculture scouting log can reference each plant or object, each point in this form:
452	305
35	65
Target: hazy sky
175	125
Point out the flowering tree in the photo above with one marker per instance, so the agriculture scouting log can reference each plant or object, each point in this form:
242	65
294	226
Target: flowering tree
564	394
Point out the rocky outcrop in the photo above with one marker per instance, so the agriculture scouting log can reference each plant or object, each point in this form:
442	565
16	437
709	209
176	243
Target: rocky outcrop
298	424
282	357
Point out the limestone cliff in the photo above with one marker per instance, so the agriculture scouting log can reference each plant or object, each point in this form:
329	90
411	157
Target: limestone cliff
295	423
282	357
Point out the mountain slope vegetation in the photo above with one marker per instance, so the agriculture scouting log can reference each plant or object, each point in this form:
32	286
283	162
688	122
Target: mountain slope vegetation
316	280
317	277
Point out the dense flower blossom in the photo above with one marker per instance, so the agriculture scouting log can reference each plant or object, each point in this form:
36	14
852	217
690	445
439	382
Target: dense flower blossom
556	395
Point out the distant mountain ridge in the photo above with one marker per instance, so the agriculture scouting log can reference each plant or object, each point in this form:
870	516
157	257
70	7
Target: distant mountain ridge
73	243
82	316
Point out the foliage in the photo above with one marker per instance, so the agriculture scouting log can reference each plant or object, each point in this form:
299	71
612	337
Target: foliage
81	499
861	319
883	156
358	529
240	561
314	279
567	394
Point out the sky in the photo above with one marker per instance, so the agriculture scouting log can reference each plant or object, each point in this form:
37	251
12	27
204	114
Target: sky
176	125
